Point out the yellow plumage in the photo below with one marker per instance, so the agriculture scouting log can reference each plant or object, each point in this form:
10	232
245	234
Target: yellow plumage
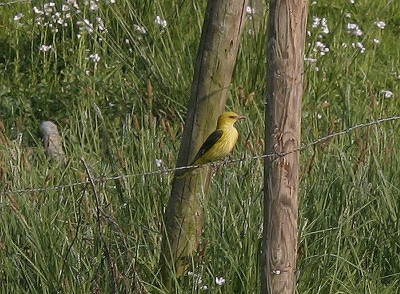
220	143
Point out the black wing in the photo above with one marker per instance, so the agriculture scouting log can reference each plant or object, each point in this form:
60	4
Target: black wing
211	140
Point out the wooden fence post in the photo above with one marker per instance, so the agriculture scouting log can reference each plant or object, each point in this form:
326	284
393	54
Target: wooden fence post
216	58
286	41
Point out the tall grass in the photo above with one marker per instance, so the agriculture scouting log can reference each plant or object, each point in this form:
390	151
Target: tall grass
116	80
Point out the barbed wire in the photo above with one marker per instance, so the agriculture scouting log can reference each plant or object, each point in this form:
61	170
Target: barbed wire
14	2
170	170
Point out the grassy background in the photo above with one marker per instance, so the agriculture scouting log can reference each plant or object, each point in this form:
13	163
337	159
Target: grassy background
52	241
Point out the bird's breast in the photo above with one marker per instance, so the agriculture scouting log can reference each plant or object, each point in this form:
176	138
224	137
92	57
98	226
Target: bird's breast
231	137
225	144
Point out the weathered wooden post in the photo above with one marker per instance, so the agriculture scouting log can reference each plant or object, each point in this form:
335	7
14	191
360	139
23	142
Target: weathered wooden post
286	41
216	57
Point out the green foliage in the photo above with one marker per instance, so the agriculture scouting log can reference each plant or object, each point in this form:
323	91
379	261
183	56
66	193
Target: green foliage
117	78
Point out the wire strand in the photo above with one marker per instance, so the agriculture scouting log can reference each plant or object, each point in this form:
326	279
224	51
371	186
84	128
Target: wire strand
170	170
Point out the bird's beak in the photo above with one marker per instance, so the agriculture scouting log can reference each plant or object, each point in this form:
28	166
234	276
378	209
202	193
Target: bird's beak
239	117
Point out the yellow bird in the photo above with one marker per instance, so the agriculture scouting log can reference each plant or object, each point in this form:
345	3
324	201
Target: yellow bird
220	143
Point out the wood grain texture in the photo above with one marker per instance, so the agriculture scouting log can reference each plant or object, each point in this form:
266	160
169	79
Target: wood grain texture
286	41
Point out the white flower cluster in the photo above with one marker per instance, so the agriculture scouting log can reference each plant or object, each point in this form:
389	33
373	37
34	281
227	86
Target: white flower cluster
354	29
160	21
321	23
48	16
320	28
198	279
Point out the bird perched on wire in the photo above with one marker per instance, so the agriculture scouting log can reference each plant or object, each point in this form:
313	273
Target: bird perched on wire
220	143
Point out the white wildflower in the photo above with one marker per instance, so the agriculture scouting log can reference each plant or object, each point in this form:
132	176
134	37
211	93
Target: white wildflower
220	281
101	25
45	48
250	10
380	24
93	5
73	3
321	22
316	21
354	29
386	93
85	25
140	28
359	45
310	60
37	11
94	57
48	8
18	16
160	21
159	163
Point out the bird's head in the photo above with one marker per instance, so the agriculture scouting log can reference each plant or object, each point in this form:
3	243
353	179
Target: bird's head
228	118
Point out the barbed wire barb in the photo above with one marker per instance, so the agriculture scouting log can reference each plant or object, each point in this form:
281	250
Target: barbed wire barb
171	170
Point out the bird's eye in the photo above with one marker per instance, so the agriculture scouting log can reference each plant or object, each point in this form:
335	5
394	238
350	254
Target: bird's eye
232	116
